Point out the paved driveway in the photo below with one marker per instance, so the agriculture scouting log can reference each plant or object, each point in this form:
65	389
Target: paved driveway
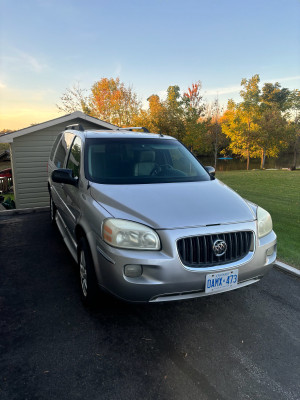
238	345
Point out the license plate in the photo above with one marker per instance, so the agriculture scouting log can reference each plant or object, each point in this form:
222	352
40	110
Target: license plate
221	281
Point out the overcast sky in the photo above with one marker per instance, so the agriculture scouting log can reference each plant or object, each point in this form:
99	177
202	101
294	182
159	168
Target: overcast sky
48	45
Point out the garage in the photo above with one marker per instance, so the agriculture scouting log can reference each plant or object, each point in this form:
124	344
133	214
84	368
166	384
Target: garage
30	149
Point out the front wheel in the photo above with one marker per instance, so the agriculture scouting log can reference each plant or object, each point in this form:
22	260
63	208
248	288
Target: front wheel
88	279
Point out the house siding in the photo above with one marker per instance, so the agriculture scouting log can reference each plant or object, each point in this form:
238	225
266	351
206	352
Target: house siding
30	155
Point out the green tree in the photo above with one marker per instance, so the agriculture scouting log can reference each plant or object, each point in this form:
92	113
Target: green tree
294	124
271	133
174	113
275	96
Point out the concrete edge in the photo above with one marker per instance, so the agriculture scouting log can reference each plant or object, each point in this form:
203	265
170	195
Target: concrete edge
17	211
287	268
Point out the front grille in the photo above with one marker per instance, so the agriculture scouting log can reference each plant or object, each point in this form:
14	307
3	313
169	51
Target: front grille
197	251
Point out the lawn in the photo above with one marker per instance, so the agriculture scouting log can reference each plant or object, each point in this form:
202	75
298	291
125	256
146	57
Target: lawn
279	193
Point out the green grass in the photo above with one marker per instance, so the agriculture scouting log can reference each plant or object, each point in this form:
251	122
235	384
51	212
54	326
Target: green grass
279	193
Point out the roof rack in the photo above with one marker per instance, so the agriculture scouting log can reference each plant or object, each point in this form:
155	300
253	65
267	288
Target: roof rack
75	127
130	128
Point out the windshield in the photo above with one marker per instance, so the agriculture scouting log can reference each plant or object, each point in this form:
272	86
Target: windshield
140	160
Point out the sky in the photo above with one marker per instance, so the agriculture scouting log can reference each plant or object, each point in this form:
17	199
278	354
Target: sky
47	46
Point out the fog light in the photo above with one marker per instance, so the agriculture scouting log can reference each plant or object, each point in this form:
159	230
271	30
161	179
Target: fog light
133	271
270	251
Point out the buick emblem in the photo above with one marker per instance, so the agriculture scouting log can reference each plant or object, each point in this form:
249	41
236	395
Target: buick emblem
219	247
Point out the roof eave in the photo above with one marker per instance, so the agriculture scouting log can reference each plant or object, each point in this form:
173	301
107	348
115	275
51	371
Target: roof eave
9	137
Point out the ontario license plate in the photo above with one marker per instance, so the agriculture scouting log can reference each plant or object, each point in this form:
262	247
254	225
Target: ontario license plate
221	281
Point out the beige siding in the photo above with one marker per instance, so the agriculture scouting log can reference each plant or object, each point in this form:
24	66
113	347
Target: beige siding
30	155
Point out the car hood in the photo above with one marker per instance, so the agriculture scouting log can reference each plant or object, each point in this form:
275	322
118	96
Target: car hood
174	205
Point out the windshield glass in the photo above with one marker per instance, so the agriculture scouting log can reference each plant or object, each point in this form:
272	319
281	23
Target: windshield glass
140	160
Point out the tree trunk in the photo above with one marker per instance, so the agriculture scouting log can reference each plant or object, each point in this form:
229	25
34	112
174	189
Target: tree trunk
248	151
248	159
295	158
295	153
216	148
263	158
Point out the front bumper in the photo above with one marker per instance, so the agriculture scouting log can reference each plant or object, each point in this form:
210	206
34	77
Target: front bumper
164	277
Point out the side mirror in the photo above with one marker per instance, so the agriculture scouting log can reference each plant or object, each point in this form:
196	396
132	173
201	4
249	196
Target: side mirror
64	176
211	171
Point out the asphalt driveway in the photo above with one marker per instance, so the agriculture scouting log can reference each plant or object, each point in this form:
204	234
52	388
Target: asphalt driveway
242	344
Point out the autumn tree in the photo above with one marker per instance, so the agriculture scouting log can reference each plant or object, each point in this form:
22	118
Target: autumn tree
113	102
249	111
108	99
4	131
154	118
255	127
235	125
240	120
177	115
195	131
215	129
193	99
157	112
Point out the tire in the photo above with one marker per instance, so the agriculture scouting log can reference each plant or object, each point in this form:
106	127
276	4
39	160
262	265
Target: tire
90	291
53	210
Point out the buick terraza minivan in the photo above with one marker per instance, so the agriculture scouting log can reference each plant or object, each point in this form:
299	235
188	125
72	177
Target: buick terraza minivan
146	222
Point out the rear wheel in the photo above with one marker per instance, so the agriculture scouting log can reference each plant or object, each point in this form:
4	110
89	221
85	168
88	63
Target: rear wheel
88	280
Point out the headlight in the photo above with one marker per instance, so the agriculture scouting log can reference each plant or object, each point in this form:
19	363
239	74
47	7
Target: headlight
129	235
264	222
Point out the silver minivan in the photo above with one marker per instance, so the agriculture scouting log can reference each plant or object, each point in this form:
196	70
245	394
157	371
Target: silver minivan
146	222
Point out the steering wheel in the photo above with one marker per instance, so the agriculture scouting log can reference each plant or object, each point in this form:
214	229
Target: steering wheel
156	170
159	168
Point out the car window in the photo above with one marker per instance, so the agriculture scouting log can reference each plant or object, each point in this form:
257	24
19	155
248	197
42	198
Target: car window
63	149
54	147
140	160
74	157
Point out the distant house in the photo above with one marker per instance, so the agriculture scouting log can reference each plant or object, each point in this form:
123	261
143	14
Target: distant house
30	149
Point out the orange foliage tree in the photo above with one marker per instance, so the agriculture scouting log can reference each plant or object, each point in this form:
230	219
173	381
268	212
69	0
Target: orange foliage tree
113	102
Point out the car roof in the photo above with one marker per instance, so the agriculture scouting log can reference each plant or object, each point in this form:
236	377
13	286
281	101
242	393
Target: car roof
118	134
